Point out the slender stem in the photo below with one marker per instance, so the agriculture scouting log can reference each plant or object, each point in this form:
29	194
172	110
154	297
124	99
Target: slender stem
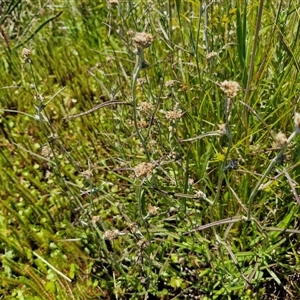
140	63
51	267
228	133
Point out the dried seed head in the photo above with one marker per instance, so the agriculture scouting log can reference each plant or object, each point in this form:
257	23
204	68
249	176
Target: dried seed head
211	55
113	2
142	124
153	210
200	194
230	88
297	122
222	128
170	83
87	174
145	107
109	59
152	143
280	139
110	235
26	53
141	81
95	219
141	40
142	243
173	115
46	151
143	169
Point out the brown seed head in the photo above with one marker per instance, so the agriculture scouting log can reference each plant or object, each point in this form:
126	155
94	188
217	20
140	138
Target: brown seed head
211	55
110	234
280	139
141	40
153	210
230	88
145	107
143	169
173	115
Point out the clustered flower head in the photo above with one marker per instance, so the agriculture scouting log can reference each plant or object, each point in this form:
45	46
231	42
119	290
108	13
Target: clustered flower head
173	115
113	2
143	169
145	107
26	55
230	88
142	124
170	83
110	235
141	81
153	210
297	122
211	55
222	128
141	40
46	151
280	139
87	174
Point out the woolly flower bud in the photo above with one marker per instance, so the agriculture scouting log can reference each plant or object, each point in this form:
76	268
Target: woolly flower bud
143	169
110	235
173	115
145	107
211	55
222	128
230	88
280	139
113	2
141	40
26	55
153	210
297	122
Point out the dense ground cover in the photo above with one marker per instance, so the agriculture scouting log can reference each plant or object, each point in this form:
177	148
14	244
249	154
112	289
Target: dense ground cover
149	149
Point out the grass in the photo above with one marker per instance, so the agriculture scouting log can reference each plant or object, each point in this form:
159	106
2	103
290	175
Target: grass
129	173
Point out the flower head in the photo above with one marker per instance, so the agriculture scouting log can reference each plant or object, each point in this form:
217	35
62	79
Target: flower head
26	55
145	107
143	169
110	235
141	40
280	139
211	55
173	115
230	88
113	2
153	210
297	122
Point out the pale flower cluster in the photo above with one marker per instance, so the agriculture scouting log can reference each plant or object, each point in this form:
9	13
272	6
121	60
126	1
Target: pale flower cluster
141	40
173	115
211	55
153	210
280	139
143	169
26	55
297	122
145	107
113	2
170	83
110	235
230	88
